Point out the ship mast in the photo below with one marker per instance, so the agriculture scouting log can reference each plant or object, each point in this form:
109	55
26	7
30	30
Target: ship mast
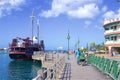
32	17
38	25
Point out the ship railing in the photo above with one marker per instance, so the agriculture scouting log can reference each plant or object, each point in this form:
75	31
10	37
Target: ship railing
56	71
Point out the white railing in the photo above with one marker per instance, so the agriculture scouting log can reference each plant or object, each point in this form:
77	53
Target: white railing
111	20
112	31
54	72
108	31
113	42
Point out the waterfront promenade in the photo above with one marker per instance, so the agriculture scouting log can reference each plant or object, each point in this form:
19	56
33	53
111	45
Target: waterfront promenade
73	71
85	72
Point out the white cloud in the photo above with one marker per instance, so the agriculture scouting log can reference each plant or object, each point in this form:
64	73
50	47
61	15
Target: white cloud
6	6
104	9
112	14
87	11
73	8
87	24
99	27
109	14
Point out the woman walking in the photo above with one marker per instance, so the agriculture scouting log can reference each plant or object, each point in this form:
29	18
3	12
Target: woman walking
77	53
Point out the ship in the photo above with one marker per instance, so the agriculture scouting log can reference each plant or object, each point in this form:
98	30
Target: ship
24	48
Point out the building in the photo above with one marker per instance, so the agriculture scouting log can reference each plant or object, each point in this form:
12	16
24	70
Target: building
112	36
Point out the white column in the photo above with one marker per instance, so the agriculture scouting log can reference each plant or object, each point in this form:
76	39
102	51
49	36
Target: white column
110	50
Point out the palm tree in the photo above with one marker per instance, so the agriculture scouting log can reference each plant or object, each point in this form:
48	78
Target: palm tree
92	46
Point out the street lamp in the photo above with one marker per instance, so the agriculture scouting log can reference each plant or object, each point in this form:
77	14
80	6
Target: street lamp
68	37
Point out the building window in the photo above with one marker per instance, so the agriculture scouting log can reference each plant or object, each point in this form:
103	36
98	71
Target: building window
114	38
107	38
114	27
106	29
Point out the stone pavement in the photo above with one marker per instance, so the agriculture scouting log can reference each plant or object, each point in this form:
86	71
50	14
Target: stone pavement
85	72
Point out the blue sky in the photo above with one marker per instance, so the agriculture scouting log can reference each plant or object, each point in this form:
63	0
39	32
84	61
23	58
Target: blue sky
83	18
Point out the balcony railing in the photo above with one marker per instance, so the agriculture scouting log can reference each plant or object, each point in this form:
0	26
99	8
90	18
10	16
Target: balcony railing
112	32
111	20
112	43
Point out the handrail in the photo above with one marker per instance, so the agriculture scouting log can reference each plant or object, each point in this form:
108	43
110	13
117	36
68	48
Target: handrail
56	68
53	72
108	66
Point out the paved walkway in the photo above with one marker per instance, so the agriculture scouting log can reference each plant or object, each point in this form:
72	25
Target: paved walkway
79	72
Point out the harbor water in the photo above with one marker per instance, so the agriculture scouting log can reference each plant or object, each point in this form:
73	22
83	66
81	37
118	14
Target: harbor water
17	69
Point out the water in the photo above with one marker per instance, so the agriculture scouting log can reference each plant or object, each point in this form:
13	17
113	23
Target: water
17	70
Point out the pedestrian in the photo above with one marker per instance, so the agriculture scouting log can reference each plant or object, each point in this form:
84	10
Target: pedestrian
86	56
77	53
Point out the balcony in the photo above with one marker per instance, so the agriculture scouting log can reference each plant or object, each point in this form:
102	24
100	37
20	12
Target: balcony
111	21
109	32
113	43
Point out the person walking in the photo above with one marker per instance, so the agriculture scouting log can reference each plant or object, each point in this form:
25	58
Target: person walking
77	53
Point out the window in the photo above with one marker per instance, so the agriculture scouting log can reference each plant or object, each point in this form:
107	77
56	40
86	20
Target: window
114	38
106	29
114	27
107	38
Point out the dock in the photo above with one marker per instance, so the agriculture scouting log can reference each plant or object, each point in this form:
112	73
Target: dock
64	69
47	59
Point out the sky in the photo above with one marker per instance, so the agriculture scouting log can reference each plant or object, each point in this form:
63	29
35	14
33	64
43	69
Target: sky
83	18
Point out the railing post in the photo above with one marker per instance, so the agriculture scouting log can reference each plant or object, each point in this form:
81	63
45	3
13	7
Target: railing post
52	56
55	71
40	74
53	67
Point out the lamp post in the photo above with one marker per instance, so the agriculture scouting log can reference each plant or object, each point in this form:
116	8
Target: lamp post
68	37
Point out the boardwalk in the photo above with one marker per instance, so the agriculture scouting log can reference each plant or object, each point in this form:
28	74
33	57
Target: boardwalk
79	72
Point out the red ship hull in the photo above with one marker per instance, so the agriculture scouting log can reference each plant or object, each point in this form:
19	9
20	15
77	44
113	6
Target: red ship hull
19	56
